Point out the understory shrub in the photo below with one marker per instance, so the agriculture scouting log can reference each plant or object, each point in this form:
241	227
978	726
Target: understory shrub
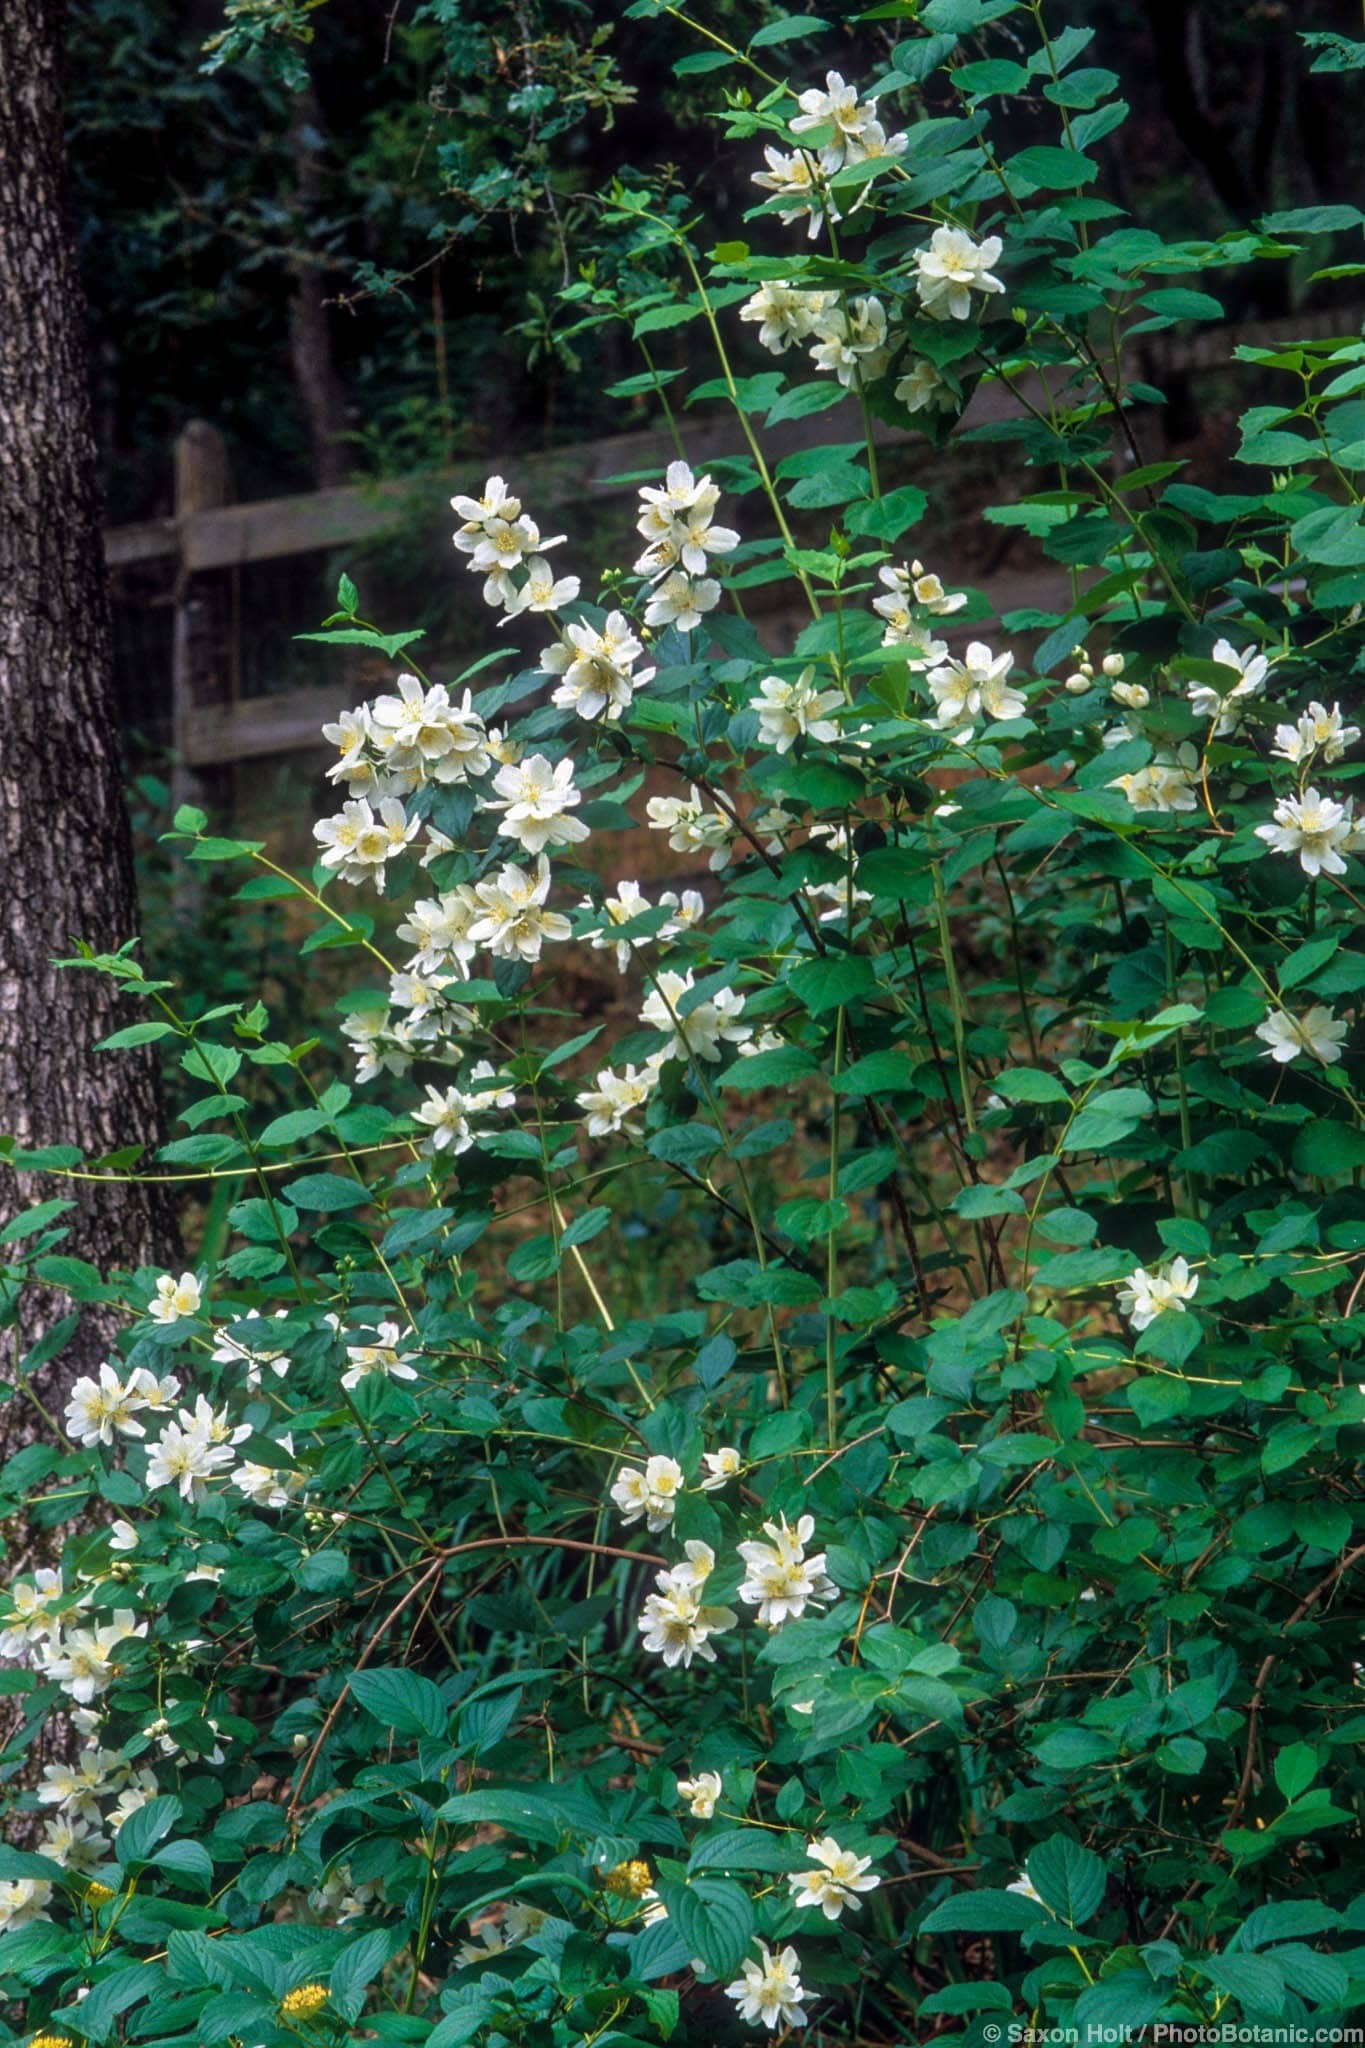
830	1507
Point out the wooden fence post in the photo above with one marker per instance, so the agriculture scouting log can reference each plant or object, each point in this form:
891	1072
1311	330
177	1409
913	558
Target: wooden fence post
203	648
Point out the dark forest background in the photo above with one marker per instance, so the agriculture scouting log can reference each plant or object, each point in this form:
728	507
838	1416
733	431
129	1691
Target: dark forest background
336	230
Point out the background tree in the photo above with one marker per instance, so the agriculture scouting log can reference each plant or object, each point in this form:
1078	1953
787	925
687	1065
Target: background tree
64	837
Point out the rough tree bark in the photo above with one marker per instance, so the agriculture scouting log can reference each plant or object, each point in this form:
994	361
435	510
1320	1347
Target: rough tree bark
65	842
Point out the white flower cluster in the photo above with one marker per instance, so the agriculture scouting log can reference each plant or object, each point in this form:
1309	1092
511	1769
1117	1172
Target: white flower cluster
504	545
1144	1296
951	268
912	597
844	130
781	1580
676	1622
1316	828
850	337
676	522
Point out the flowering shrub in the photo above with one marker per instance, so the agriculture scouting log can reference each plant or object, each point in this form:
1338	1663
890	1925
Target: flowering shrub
943	1604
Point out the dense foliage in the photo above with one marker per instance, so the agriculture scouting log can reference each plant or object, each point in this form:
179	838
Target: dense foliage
831	1505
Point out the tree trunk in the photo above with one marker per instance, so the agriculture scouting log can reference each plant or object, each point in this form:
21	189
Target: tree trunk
65	843
311	356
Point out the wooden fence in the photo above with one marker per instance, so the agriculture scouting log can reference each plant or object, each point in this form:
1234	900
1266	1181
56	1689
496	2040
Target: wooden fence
210	541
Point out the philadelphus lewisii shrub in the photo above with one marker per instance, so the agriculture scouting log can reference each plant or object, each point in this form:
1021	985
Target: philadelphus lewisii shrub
824	1504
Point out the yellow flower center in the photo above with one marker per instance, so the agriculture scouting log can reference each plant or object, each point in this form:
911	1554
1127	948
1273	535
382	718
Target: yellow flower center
303	2002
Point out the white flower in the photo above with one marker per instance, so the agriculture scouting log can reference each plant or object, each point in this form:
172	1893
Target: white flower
175	1298
1133	696
478	514
1312	826
443	1114
99	1407
86	1663
793	178
1144	1296
836	105
785	313
701	1793
1166	784
360	840
379	1360
974	687
513	922
78	1786
688	911
1317	1033
1226	706
915	585
652	1493
352	735
624	907
706	1026
789	711
691	828
122	1536
230	1349
38	1606
770	1990
837	1881
852	342
420	736
184	1456
1316	729
676	1626
951	269
23	1899
71	1840
268	1486
438	926
134	1796
1026	1889
503	546
542	591
782	1580
611	1104
721	1466
536	797
924	388
379	1047
597	667
681	600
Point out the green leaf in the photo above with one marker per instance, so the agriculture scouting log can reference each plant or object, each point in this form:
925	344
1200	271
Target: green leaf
715	1919
786	28
135	1034
141	1832
1030	1084
326	1191
1070	1878
831	982
33	1220
1296	1766
889	517
1052	169
189	1862
295	1125
403	1701
775	1069
748	1849
534	1260
1327	1150
984	1912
